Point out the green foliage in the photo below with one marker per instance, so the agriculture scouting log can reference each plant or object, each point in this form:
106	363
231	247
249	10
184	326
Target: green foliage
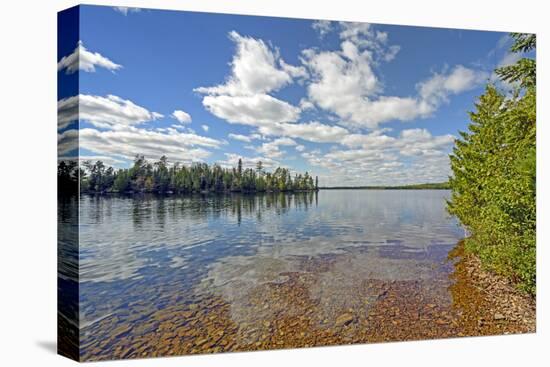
67	177
524	71
523	42
494	182
160	177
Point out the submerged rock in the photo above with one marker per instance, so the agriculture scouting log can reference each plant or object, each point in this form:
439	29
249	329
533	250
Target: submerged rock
344	319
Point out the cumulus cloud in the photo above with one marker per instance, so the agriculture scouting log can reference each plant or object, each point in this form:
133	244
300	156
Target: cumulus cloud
239	137
421	143
82	59
257	109
129	141
181	116
105	112
356	31
323	27
413	156
311	131
293	71
440	86
255	69
272	149
67	143
344	83
306	105
409	142
364	36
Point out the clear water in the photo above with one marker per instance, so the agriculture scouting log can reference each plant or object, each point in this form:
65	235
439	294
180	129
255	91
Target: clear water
143	254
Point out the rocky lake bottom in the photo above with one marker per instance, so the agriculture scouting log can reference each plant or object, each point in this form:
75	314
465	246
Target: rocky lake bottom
178	276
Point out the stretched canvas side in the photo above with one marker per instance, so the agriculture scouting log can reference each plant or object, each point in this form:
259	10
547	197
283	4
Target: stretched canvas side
67	180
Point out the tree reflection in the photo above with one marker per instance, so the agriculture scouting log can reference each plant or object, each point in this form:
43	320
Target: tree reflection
200	207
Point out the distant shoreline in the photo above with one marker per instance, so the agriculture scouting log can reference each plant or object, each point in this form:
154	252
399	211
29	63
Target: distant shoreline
192	193
425	186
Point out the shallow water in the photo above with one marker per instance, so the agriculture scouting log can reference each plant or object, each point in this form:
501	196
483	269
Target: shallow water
239	260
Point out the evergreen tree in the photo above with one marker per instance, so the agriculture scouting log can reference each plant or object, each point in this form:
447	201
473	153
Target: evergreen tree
160	177
494	167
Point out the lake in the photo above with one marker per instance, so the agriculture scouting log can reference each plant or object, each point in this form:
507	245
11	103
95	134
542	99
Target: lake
208	273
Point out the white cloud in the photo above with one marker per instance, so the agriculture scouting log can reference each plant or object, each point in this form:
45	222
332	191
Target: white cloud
409	142
364	36
306	105
106	112
181	116
310	131
67	142
413	156
232	161
293	71
129	141
323	27
509	58
440	86
372	140
391	52
420	142
67	111
342	80
255	69
244	98
271	149
253	110
125	10
356	31
239	137
82	59
345	84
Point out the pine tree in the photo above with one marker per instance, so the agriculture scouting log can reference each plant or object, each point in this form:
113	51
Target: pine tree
494	167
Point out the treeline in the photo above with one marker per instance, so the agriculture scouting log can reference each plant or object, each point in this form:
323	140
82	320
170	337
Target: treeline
424	186
160	177
494	166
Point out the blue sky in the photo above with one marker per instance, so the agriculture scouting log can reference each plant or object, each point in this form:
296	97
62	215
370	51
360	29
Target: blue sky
354	103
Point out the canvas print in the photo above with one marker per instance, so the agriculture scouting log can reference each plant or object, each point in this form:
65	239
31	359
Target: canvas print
241	183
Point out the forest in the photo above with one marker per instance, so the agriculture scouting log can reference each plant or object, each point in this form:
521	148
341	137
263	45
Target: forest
494	172
162	177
